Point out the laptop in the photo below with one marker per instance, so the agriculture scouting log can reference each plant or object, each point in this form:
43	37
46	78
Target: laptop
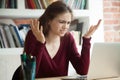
105	61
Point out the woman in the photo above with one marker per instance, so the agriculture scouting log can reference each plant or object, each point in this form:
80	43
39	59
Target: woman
53	46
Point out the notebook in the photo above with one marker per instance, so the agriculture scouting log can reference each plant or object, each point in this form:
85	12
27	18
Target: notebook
105	61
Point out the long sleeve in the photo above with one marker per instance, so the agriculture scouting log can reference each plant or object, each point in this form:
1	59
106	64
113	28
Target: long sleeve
31	44
33	47
80	62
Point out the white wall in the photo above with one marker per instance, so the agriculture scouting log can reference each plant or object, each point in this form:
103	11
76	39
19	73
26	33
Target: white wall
96	13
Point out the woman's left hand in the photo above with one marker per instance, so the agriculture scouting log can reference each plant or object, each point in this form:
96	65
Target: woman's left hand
92	29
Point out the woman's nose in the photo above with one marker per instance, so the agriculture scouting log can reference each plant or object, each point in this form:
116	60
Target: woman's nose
66	25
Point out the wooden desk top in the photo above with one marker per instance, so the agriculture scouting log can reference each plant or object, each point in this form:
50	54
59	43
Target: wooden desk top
117	78
52	78
60	78
49	79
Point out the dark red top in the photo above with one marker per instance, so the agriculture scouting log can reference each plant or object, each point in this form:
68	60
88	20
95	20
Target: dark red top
58	65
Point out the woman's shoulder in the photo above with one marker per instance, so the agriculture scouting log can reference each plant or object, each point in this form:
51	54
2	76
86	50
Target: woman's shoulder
30	35
68	36
29	32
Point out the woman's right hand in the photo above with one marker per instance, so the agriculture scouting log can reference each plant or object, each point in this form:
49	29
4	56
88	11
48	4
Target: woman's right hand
37	31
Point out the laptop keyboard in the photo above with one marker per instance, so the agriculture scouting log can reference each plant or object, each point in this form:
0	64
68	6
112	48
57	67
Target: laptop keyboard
76	78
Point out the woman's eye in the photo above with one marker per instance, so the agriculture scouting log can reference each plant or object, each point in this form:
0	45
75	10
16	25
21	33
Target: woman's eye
69	23
62	22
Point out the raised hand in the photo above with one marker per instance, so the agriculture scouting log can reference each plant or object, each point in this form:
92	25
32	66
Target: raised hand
92	29
37	31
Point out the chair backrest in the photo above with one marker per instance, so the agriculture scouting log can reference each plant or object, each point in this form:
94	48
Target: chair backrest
17	74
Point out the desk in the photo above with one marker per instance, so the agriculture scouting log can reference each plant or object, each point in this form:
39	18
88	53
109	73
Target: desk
117	78
60	78
49	79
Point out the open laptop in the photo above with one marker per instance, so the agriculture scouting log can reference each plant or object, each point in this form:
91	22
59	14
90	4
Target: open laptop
105	61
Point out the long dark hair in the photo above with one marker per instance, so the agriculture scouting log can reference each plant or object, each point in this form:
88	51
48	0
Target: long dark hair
53	10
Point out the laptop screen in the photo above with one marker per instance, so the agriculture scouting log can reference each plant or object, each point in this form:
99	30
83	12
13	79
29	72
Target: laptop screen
105	60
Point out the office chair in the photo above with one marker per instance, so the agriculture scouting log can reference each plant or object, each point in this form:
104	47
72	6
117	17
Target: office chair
18	74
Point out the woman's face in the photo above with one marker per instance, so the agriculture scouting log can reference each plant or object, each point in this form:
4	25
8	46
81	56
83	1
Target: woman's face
60	25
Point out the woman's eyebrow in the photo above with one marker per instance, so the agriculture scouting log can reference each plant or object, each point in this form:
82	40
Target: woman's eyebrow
64	20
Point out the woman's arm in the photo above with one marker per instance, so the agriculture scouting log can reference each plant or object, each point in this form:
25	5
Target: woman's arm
34	47
81	62
31	45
